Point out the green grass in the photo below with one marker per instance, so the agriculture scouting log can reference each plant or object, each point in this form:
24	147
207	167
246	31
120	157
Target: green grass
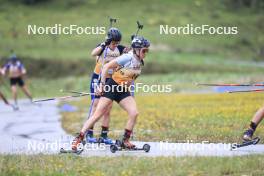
155	63
51	87
177	60
72	165
180	70
181	82
179	117
94	13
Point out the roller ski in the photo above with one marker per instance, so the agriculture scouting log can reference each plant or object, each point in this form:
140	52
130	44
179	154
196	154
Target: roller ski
78	152
247	139
125	145
246	143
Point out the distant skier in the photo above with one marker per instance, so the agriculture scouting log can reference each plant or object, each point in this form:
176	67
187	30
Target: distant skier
16	71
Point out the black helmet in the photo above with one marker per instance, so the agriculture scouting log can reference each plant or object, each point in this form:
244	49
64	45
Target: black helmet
13	58
114	34
140	42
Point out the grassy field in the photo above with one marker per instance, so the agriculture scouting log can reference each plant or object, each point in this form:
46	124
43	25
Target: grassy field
155	63
126	166
183	71
181	82
179	117
56	62
197	117
14	35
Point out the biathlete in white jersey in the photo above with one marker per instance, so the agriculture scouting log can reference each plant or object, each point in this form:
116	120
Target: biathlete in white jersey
126	68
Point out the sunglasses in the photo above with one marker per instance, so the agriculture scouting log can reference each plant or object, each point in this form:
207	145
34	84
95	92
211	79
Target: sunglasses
145	50
115	43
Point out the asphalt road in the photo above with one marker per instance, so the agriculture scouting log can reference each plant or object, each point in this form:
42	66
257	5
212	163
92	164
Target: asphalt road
37	129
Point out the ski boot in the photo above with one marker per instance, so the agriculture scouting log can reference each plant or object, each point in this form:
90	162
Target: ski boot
78	140
247	136
89	138
105	140
104	136
126	144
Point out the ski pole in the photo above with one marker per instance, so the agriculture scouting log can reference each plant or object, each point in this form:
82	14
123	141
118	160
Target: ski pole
63	98
252	90
246	85
74	92
139	27
4	98
112	20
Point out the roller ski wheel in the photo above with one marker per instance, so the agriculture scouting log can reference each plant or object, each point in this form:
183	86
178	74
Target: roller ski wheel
246	143
146	148
113	148
78	152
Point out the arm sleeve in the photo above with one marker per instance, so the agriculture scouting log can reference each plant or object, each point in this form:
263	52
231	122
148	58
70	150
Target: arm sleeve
101	50
6	66
22	68
123	59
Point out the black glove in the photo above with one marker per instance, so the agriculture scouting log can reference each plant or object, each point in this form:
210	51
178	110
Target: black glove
107	42
102	45
133	36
